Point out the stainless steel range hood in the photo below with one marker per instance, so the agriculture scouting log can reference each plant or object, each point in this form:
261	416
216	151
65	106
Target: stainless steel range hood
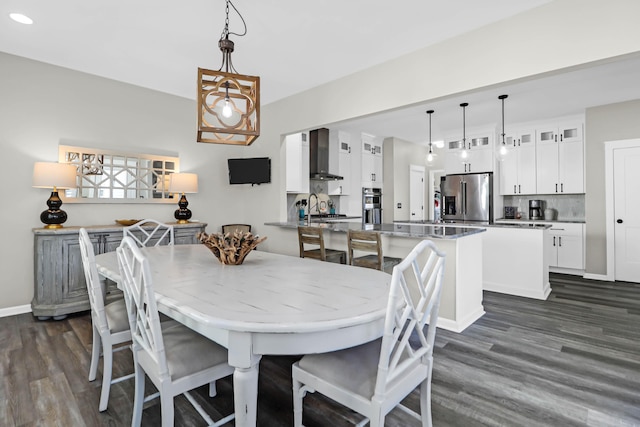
319	156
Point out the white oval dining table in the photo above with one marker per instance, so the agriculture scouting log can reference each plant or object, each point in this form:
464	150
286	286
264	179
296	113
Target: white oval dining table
270	305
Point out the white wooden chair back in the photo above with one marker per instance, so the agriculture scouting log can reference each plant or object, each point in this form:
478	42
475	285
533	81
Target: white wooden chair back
109	323
311	236
144	319
414	300
172	357
160	234
94	289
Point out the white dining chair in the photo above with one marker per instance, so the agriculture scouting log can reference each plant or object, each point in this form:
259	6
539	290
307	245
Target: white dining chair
374	378
110	323
160	234
176	359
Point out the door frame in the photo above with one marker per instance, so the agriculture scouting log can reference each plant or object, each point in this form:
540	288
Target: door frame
609	147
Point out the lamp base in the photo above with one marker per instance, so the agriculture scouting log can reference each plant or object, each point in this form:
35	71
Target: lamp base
53	217
53	226
182	215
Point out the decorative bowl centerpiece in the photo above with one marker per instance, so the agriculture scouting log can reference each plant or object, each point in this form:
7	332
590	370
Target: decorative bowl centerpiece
230	248
127	222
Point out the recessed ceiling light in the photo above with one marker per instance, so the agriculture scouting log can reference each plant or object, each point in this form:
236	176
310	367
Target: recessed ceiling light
23	19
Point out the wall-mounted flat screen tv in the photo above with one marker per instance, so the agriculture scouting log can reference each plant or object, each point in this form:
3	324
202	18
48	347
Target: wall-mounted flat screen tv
255	170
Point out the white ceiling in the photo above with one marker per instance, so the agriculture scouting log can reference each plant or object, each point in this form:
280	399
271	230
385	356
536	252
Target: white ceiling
294	45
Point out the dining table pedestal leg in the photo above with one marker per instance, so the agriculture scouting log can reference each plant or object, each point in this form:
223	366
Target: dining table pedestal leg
245	389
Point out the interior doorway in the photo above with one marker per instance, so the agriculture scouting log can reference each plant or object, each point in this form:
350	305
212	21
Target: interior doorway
623	205
416	193
434	193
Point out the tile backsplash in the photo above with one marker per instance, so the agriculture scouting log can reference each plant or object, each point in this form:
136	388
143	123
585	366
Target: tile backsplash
568	207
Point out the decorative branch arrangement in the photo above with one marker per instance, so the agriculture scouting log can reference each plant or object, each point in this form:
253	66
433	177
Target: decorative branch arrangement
230	248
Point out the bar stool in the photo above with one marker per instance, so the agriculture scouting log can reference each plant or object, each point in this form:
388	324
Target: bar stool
315	236
369	241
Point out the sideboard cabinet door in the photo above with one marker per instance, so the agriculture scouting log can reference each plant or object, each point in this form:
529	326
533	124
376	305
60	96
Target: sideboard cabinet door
59	284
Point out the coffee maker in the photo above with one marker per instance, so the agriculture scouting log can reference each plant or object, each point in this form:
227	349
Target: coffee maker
536	209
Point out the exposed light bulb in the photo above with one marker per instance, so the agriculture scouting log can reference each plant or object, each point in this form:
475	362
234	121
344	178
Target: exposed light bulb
503	151
226	110
464	154
430	157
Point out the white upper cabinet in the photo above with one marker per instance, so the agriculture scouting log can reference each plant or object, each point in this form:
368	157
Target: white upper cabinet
371	161
340	145
475	156
297	165
560	158
518	169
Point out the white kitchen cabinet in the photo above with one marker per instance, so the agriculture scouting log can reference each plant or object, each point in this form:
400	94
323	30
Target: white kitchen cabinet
518	169
371	161
560	159
477	155
341	146
297	163
565	243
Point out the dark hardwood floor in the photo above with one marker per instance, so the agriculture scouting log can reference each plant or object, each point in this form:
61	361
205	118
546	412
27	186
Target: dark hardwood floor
573	360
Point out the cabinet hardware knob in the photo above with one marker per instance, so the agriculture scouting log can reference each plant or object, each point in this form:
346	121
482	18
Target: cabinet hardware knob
619	221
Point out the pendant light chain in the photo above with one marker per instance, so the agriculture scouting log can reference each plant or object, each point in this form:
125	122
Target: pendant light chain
226	45
225	31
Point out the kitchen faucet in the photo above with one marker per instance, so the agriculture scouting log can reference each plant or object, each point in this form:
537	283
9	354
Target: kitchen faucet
309	216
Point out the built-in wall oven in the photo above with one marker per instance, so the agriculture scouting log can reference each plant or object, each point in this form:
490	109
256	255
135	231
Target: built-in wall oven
372	206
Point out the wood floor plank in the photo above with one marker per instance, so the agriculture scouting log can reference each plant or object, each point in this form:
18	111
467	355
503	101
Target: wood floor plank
573	360
54	403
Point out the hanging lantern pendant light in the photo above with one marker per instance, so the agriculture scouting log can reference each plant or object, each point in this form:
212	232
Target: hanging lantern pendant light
504	148
228	102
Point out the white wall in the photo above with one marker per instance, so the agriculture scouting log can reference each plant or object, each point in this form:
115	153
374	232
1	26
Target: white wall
605	123
399	156
42	105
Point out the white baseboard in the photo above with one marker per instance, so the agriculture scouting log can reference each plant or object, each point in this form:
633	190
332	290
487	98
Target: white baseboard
12	311
462	324
541	293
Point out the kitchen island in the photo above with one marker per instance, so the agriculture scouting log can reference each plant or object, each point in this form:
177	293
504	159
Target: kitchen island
461	299
515	257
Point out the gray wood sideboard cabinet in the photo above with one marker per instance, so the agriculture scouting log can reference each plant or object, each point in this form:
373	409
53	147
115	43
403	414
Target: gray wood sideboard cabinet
59	283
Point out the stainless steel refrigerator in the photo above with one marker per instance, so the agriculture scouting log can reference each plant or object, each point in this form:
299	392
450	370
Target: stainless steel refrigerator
467	197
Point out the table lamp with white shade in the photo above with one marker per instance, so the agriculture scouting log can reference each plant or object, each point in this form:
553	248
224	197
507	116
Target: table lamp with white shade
55	176
183	183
